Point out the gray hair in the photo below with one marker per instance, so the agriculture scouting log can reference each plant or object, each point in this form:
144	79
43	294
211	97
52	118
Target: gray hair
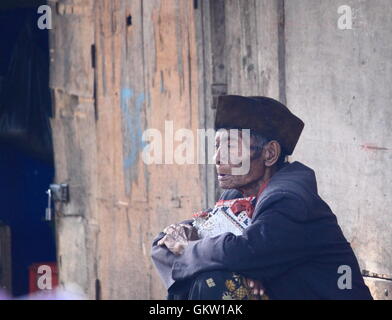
259	142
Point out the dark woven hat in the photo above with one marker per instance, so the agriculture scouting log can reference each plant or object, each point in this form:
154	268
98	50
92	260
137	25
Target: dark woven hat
266	116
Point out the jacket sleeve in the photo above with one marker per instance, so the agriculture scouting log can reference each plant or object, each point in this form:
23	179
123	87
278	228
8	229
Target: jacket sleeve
273	243
163	259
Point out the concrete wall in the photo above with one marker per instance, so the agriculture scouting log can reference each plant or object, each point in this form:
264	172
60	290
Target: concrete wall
339	83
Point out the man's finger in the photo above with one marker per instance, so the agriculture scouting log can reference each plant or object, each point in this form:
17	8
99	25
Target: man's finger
249	282
168	228
161	242
165	240
258	285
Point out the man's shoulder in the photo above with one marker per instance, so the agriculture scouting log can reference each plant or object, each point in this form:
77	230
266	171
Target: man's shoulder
293	188
288	204
295	178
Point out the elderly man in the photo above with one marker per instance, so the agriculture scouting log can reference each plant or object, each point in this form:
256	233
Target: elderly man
293	248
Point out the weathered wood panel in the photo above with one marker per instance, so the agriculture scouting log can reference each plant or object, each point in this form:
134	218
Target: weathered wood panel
146	74
72	83
71	46
171	79
142	71
252	47
75	159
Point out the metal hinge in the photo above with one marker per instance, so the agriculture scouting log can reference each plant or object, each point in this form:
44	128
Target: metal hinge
369	274
56	192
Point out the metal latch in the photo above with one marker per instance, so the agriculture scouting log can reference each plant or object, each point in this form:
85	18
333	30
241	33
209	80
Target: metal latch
367	273
57	192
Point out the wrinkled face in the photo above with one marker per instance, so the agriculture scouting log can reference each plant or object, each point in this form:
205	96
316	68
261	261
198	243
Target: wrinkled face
229	148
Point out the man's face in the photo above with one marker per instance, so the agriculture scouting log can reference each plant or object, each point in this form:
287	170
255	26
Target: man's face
229	147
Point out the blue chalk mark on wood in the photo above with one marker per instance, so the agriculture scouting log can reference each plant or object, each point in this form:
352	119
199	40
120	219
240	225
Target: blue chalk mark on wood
131	108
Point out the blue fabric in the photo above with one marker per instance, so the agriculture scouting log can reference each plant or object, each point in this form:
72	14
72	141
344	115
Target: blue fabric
23	182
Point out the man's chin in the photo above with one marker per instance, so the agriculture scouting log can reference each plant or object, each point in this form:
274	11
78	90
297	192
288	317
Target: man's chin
225	186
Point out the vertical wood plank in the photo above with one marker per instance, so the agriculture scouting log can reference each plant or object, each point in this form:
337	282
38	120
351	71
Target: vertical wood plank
73	127
252	47
71	41
146	74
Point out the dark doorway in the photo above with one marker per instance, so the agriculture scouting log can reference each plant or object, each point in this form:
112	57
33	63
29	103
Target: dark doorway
26	156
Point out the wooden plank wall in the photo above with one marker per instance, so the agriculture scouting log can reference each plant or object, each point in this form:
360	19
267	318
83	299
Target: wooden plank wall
118	68
157	81
74	134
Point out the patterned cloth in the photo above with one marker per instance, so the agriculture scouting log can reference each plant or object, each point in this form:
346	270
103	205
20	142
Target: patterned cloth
227	216
231	215
221	285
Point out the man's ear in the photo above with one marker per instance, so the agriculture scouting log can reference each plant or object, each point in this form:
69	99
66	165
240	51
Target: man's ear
272	153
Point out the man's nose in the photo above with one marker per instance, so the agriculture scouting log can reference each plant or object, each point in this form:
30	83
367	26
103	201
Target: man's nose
221	156
217	157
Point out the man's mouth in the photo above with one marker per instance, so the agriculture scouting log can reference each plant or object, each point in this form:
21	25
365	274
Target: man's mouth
222	176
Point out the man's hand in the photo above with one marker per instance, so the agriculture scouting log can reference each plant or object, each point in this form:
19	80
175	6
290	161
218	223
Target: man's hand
256	286
177	237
